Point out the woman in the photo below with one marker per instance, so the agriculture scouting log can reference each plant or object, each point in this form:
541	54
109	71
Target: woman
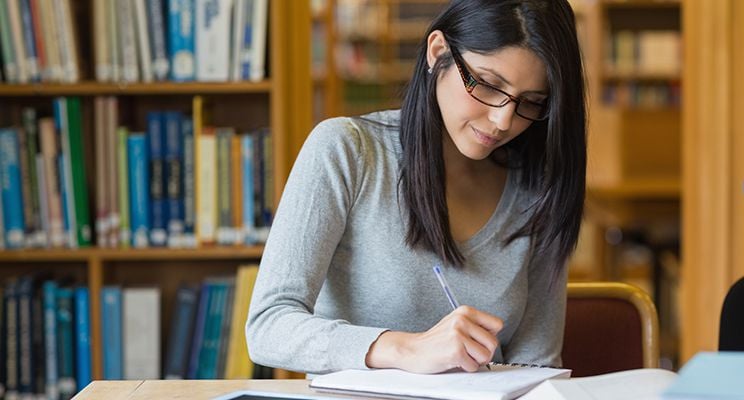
481	171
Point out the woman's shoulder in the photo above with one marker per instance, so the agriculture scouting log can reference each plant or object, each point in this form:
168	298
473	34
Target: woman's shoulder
359	132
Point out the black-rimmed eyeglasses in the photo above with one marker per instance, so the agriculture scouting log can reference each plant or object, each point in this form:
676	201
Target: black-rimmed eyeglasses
495	97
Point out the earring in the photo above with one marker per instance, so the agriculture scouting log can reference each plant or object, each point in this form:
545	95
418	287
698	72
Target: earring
430	70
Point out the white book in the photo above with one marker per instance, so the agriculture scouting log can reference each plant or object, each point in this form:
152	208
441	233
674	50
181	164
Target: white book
112	28
101	41
501	382
238	27
636	384
260	24
143	40
130	73
213	40
141	336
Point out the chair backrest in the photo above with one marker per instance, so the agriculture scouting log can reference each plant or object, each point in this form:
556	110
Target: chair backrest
609	327
731	334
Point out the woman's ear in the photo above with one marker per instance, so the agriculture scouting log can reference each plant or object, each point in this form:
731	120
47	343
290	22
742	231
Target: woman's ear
436	45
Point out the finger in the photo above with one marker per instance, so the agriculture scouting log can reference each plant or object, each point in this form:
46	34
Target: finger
485	338
477	352
464	360
489	322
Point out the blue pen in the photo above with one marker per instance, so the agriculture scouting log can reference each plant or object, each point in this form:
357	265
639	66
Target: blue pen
445	286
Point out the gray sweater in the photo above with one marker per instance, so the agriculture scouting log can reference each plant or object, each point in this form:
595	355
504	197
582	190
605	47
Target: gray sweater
336	271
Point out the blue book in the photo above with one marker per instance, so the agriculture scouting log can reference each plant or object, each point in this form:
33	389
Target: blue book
210	347
49	295
181	39
199	326
66	343
189	191
156	158
139	195
10	189
182	328
174	175
709	375
66	228
82	338
29	42
61	124
249	191
246	52
111	332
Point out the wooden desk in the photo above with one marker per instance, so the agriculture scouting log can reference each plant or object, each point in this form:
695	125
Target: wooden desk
190	389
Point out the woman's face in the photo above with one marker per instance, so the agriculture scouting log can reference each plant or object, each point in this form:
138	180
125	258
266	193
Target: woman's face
477	129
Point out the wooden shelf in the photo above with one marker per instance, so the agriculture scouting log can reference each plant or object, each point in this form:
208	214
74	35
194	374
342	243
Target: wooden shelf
152	254
669	188
91	88
642	3
610	75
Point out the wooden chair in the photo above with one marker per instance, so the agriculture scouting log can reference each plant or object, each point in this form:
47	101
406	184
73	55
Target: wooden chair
609	327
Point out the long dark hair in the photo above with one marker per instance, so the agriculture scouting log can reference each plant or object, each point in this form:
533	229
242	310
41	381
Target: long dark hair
550	153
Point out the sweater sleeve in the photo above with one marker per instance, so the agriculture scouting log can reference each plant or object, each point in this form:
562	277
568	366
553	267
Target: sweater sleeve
282	330
539	337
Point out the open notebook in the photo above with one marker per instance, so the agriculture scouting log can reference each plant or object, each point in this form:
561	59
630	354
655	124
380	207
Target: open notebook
501	382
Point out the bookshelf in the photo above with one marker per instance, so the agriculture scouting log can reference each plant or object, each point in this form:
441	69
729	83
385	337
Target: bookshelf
280	101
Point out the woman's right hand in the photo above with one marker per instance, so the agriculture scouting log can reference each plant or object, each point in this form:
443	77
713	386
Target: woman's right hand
465	338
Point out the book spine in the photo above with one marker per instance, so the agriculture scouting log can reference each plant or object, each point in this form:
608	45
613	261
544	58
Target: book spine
102	198
189	194
16	30
267	161
65	168
182	326
206	212
143	40
139	197
66	228
199	327
25	166
122	155
156	138
224	333
10	67
32	149
141	337
83	231
213	40
125	16
70	67
156	24
259	25
224	206
43	201
237	42
259	184
101	43
209	326
10	189
248	195
53	68
11	342
82	338
29	41
113	38
238	363
50	339
53	185
66	343
236	190
113	186
111	329
181	40
35	9
174	177
2	225
25	358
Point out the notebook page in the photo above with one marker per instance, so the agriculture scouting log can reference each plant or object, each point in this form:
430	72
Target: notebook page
502	382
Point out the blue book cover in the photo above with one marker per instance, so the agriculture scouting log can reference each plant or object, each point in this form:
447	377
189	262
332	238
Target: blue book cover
111	328
181	43
174	175
156	27
189	190
156	157
199	327
49	294
29	42
248	195
10	189
182	328
66	343
139	195
210	348
82	338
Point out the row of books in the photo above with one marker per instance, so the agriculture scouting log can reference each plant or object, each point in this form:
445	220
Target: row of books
180	40
178	183
45	340
647	95
37	41
645	51
43	191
